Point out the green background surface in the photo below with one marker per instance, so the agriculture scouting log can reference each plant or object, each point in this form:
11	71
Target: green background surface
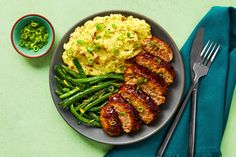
30	125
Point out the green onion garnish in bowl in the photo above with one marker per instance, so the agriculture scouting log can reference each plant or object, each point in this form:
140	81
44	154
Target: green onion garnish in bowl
32	36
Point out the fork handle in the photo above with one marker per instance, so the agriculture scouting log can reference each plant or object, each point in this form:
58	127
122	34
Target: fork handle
192	128
170	132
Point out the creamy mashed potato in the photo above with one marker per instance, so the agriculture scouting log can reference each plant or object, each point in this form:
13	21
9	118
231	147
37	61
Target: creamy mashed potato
103	44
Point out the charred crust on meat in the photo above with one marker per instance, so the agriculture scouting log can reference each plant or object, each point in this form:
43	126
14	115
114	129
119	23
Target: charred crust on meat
156	65
110	121
147	109
158	48
130	120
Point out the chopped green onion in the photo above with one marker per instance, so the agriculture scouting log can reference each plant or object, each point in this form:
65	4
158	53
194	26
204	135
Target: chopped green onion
122	113
24	36
80	42
111	89
97	47
141	81
122	68
114	26
40	45
128	34
161	75
115	51
46	36
98	37
32	45
100	26
140	109
120	37
35	48
26	31
112	122
106	33
90	49
34	24
33	36
158	60
68	52
21	42
27	44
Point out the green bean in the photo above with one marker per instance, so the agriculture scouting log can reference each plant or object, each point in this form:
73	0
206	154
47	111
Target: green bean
69	85
97	101
59	72
63	75
66	90
95	79
59	86
71	72
87	116
79	67
80	95
76	83
89	100
69	93
97	108
58	93
96	117
82	119
60	82
116	84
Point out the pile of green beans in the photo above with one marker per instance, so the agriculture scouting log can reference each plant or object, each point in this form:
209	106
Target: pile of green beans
33	36
83	95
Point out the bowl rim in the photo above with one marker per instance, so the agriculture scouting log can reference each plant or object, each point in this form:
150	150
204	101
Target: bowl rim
51	44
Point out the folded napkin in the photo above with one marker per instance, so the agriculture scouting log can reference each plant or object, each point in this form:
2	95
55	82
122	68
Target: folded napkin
214	96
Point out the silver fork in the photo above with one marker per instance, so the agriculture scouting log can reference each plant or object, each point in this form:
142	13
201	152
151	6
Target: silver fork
200	68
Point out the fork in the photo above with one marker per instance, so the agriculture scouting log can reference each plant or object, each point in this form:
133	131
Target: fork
200	68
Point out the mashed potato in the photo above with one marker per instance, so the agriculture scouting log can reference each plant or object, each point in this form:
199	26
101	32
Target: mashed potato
103	44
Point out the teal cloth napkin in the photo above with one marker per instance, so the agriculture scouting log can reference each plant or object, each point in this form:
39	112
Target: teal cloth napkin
214	96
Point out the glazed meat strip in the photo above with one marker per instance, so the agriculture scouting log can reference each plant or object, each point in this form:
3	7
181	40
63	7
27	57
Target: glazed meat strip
110	121
153	85
156	65
158	48
126	113
145	106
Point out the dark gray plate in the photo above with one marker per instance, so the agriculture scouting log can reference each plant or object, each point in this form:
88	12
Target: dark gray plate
167	110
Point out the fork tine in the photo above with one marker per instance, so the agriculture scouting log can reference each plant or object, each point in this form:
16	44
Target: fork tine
211	52
214	55
204	48
206	60
204	57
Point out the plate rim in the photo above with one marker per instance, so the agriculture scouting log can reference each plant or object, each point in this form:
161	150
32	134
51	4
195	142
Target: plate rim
132	13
